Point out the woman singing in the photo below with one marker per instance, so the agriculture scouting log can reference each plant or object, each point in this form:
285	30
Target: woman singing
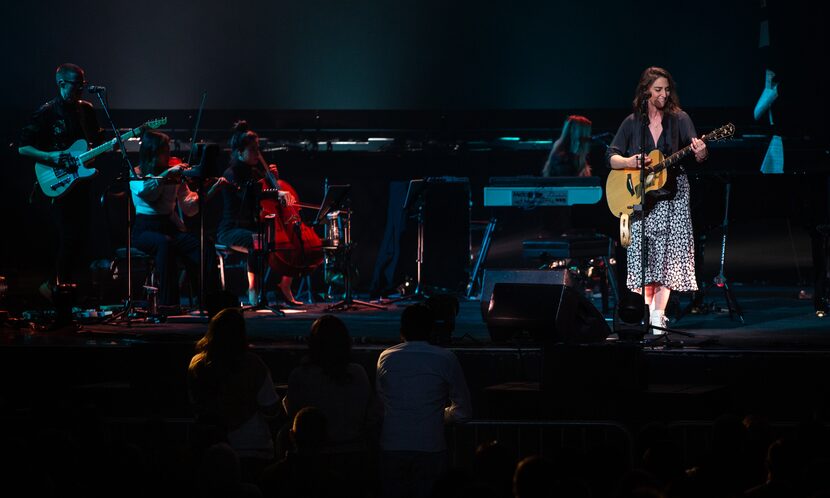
668	224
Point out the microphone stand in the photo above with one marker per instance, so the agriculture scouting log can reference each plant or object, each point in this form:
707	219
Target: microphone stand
124	314
641	207
202	205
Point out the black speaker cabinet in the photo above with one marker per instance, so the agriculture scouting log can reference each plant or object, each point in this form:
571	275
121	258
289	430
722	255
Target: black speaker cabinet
446	233
550	313
491	277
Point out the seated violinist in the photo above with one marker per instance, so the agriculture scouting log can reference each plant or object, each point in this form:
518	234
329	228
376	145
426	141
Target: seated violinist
159	229
246	177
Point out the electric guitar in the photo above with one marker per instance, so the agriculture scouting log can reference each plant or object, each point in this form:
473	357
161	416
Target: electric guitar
623	189
57	179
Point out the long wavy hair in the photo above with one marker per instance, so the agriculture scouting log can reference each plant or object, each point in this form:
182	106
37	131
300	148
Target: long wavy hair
151	143
648	77
575	140
225	342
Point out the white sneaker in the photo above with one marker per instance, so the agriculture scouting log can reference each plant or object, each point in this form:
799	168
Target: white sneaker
658	319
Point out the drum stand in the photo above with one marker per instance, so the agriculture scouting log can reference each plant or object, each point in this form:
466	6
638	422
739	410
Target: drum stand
349	303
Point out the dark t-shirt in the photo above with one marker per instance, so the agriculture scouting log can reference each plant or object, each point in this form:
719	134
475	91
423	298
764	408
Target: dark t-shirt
57	124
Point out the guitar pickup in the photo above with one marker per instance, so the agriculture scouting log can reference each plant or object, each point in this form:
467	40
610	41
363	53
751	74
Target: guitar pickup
59	184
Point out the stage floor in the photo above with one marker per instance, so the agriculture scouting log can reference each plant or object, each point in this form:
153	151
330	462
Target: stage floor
776	362
775	320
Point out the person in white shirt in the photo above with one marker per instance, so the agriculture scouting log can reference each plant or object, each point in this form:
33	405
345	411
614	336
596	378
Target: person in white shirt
422	388
159	229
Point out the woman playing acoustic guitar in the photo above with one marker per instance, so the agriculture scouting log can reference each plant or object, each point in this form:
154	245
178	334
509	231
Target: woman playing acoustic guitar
668	223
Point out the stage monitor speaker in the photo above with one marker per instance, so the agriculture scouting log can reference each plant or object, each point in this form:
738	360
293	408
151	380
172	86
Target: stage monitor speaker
492	277
551	314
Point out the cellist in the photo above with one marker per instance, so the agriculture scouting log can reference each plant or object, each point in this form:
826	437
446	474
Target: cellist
244	181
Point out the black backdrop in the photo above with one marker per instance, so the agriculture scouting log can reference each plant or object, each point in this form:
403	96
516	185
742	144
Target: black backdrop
370	54
521	65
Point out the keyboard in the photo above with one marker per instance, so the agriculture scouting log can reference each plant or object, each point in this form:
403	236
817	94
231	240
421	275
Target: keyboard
533	191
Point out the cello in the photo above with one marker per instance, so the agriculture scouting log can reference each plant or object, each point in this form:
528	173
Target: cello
295	248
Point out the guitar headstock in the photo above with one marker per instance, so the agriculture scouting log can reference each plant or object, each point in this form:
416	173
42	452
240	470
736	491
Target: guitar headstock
154	123
724	131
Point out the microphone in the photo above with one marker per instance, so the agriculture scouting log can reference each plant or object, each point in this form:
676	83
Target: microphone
96	89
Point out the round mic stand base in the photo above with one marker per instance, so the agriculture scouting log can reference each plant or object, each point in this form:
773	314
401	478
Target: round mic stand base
349	303
663	335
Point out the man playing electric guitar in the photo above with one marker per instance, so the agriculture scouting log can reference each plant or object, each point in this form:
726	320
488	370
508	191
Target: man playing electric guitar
54	128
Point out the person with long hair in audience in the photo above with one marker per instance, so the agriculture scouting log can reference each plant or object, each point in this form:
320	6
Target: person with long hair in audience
231	389
328	380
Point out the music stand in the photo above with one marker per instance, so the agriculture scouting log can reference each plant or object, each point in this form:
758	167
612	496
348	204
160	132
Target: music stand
413	204
207	156
336	199
720	279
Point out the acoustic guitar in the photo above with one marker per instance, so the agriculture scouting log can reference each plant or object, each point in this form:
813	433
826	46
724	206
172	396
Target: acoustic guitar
57	179
623	189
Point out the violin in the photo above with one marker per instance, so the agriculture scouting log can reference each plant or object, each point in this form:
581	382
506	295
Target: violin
297	249
189	174
179	176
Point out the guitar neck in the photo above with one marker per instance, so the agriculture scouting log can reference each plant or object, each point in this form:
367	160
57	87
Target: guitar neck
109	145
677	156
